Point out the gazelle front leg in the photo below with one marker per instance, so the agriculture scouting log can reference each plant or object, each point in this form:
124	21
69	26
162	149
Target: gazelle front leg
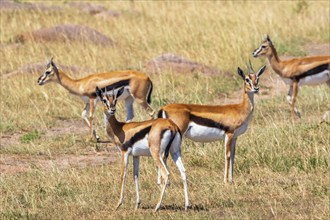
136	161
228	141
92	131
84	114
294	110
124	164
232	158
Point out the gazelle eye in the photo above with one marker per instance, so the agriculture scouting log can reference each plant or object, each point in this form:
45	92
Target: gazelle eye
263	46
247	80
48	72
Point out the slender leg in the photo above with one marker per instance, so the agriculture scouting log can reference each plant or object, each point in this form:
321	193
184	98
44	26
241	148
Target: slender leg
177	159
136	161
228	140
84	114
124	163
289	96
164	172
92	131
232	158
294	96
129	108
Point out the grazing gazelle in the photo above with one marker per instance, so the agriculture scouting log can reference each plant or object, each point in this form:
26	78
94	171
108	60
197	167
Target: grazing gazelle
137	86
155	138
313	70
207	123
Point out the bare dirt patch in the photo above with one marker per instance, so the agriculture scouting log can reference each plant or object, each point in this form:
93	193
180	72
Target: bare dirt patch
318	49
11	164
13	5
65	33
87	7
178	64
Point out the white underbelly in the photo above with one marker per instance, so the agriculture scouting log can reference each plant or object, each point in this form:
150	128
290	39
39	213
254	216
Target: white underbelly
287	81
315	79
201	133
141	147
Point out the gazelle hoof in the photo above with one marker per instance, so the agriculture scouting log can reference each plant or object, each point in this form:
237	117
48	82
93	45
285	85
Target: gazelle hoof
117	206
157	207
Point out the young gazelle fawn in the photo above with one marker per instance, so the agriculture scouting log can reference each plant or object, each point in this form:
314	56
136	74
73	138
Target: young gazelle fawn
155	138
137	86
208	123
313	70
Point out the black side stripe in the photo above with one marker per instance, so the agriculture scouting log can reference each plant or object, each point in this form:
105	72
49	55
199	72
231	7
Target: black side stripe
313	71
207	122
115	85
138	136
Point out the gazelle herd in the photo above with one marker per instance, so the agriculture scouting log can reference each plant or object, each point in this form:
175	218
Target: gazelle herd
201	123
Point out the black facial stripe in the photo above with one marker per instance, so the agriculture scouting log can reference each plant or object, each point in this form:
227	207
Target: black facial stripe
138	136
115	85
313	71
207	122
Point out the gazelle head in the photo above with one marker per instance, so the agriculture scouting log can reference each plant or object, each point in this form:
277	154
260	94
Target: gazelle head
50	74
265	49
109	102
251	80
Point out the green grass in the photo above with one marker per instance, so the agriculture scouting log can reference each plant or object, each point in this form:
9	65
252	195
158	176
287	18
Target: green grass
281	167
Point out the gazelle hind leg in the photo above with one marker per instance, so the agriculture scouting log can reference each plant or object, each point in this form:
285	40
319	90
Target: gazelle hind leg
164	173
177	159
136	161
124	164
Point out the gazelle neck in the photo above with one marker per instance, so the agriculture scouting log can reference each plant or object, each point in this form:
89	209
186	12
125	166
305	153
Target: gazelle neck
116	127
67	82
248	99
275	61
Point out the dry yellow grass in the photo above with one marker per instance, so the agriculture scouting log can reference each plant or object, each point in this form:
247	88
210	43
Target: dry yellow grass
282	168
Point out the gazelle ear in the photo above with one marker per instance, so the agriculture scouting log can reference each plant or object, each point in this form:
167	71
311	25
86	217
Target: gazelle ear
241	73
98	92
261	71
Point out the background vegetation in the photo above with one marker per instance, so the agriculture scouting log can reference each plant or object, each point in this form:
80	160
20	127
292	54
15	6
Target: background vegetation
281	170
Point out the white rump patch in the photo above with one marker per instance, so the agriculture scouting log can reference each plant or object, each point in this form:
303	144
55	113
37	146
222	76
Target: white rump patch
201	133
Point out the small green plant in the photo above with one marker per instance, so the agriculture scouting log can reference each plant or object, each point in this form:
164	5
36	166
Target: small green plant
29	137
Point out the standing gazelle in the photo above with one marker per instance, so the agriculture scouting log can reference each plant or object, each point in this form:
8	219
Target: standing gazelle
155	138
137	86
207	123
313	70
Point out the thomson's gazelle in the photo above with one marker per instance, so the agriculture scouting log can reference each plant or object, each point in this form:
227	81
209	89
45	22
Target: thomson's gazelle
155	138
206	123
138	86
313	70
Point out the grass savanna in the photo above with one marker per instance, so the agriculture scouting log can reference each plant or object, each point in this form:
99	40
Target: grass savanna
281	168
